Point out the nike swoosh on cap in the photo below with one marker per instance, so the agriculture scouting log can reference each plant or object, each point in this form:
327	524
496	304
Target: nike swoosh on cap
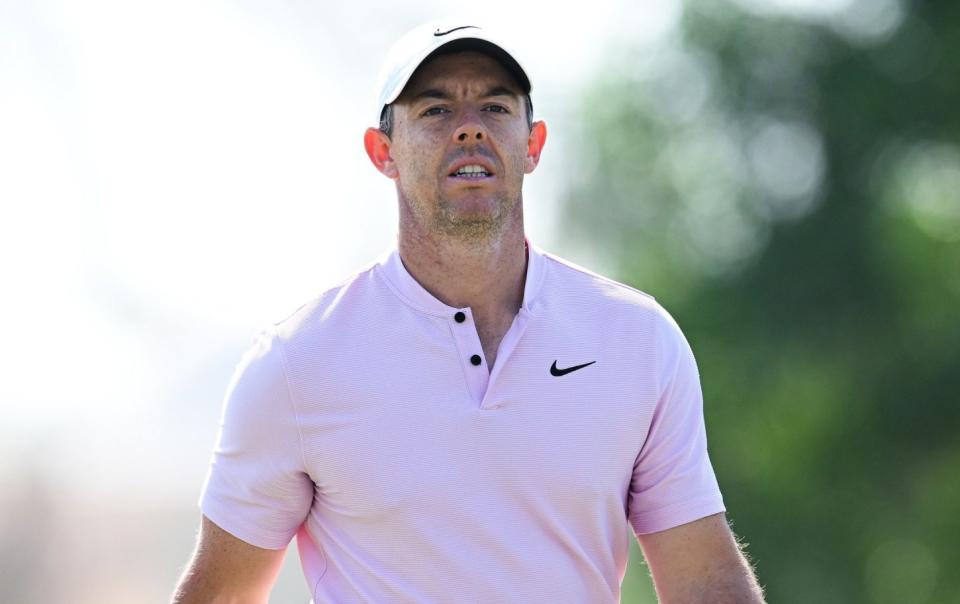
439	33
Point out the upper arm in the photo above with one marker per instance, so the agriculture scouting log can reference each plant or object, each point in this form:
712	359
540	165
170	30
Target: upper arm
699	562
227	569
258	487
673	480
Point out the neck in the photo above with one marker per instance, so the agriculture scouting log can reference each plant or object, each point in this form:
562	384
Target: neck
487	275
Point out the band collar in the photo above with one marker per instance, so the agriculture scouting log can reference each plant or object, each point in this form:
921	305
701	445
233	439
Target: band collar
409	289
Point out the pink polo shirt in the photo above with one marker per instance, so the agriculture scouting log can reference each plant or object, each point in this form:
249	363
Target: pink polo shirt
368	425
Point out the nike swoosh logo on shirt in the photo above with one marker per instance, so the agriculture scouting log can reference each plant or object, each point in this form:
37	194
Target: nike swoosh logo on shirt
559	372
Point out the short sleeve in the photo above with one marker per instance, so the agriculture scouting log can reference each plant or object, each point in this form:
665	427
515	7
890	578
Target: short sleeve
257	488
673	481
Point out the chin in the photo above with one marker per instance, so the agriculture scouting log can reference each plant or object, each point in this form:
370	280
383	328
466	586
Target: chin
479	223
476	202
470	231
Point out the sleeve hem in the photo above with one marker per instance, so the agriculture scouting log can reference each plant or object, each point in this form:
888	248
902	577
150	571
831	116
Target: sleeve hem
672	516
245	531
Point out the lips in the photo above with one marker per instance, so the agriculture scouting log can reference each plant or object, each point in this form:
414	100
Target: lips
471	168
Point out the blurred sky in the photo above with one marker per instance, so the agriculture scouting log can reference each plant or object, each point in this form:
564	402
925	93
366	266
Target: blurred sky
175	175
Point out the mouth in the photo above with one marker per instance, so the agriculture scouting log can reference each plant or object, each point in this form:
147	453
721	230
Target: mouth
471	172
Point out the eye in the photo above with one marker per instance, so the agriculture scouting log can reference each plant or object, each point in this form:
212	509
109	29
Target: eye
496	109
434	111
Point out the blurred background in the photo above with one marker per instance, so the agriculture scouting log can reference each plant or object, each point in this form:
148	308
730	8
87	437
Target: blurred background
783	175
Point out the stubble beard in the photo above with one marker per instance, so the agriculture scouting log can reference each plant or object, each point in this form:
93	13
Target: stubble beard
472	228
478	230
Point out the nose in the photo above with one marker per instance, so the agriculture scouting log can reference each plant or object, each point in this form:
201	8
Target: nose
465	134
470	130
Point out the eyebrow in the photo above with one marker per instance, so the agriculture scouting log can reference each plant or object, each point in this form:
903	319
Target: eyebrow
436	93
500	91
431	93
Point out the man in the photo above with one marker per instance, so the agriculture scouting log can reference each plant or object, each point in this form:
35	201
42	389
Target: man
468	419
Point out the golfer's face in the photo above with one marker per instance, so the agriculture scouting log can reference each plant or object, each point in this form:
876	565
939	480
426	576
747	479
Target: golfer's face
460	140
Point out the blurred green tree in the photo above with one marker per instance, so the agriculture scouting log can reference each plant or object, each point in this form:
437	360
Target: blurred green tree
789	188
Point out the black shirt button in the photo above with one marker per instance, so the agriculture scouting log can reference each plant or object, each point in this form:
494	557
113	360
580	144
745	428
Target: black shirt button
475	359
459	317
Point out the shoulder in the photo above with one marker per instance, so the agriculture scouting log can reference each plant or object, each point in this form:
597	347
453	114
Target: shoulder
327	307
613	305
570	281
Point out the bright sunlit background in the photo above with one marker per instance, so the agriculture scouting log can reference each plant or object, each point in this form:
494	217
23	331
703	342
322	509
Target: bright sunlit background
174	176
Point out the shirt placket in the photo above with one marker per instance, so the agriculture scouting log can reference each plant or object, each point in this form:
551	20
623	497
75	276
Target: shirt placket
475	371
508	344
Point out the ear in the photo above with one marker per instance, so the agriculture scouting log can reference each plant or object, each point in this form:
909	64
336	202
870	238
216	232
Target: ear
377	144
535	142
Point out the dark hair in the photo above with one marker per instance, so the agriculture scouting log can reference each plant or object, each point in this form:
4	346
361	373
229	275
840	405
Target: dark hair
386	116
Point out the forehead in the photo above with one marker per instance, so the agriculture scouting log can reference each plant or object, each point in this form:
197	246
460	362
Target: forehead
460	71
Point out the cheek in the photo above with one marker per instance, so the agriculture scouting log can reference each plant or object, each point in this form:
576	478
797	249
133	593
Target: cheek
417	169
409	156
421	165
518	158
515	144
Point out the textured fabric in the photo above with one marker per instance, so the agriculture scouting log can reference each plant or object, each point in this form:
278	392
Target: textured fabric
409	474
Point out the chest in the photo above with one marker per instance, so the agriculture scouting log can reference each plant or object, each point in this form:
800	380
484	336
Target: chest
379	447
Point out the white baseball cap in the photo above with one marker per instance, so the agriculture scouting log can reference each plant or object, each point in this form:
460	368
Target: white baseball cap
410	51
